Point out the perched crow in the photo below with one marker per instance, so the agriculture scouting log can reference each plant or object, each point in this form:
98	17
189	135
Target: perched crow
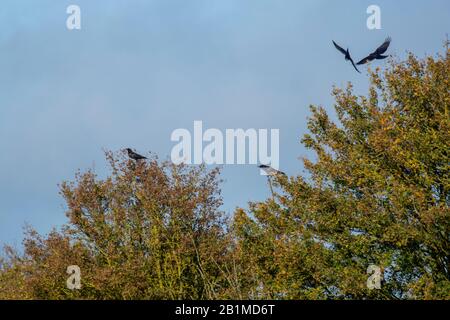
133	155
377	54
271	171
346	53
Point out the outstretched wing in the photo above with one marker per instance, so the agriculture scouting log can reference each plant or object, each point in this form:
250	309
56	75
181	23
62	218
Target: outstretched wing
353	63
382	49
344	52
365	60
271	171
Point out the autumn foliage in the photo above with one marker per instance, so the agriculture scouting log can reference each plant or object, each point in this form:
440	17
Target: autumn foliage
377	194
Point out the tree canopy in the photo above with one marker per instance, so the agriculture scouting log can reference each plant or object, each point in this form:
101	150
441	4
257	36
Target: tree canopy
376	194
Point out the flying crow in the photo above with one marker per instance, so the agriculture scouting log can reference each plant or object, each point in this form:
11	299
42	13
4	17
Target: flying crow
271	171
377	54
346	53
133	155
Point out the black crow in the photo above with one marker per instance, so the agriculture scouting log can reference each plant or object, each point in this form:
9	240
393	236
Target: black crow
346	53
377	54
271	171
133	155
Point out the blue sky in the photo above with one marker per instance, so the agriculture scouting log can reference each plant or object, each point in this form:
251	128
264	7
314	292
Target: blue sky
137	70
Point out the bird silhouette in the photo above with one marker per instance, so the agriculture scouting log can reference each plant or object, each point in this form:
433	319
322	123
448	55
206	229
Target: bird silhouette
133	155
271	171
346	53
377	54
